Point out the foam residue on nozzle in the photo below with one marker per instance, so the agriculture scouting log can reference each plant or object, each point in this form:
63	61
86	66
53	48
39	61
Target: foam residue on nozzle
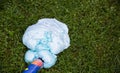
45	39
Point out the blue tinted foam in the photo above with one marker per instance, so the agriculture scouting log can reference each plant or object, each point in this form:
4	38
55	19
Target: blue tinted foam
45	39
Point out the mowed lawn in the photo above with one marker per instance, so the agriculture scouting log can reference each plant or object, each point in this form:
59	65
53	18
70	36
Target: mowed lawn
94	30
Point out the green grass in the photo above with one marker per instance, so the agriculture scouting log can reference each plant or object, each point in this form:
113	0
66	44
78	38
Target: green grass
94	29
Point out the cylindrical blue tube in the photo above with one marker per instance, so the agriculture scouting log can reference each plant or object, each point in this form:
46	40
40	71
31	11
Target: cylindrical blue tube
34	67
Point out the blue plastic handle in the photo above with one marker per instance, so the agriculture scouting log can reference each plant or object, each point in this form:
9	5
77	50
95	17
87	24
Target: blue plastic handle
32	69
